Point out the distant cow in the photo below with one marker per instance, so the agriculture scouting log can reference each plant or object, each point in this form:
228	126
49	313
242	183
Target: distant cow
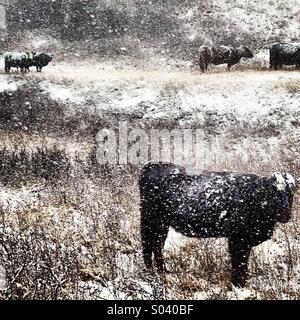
241	207
41	60
284	54
22	60
222	54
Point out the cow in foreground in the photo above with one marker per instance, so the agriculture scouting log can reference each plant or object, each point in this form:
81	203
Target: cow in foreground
222	54
241	207
284	54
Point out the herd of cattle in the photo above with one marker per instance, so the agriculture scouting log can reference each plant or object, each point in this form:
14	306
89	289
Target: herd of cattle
241	207
280	54
25	60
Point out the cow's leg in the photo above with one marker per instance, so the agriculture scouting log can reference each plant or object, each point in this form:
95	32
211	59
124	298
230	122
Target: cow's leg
273	66
202	66
239	253
150	226
160	238
229	67
147	242
154	235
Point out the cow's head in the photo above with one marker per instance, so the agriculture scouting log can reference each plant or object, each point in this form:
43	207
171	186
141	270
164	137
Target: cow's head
50	56
30	55
247	53
283	186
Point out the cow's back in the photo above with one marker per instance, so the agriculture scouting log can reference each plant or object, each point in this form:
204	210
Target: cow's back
211	204
285	53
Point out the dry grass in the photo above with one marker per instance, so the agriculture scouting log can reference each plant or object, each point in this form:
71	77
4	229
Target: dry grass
95	214
292	86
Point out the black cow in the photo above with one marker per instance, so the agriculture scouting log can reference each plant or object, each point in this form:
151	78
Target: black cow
284	54
222	54
22	60
41	60
241	207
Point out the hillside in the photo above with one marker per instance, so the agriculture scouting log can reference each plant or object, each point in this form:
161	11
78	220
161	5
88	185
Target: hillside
172	30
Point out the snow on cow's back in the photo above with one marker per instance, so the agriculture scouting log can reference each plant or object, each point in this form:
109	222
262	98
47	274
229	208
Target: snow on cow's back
292	48
15	55
211	184
288	47
39	53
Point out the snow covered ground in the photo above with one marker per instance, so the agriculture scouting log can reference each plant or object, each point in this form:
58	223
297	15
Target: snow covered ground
221	101
133	90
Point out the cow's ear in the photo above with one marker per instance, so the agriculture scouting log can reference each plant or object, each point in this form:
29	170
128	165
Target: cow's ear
290	181
283	181
278	181
272	182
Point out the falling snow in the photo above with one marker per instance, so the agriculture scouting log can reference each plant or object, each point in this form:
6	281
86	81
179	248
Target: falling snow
137	62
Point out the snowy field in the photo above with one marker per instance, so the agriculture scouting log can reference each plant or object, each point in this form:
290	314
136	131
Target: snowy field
89	217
